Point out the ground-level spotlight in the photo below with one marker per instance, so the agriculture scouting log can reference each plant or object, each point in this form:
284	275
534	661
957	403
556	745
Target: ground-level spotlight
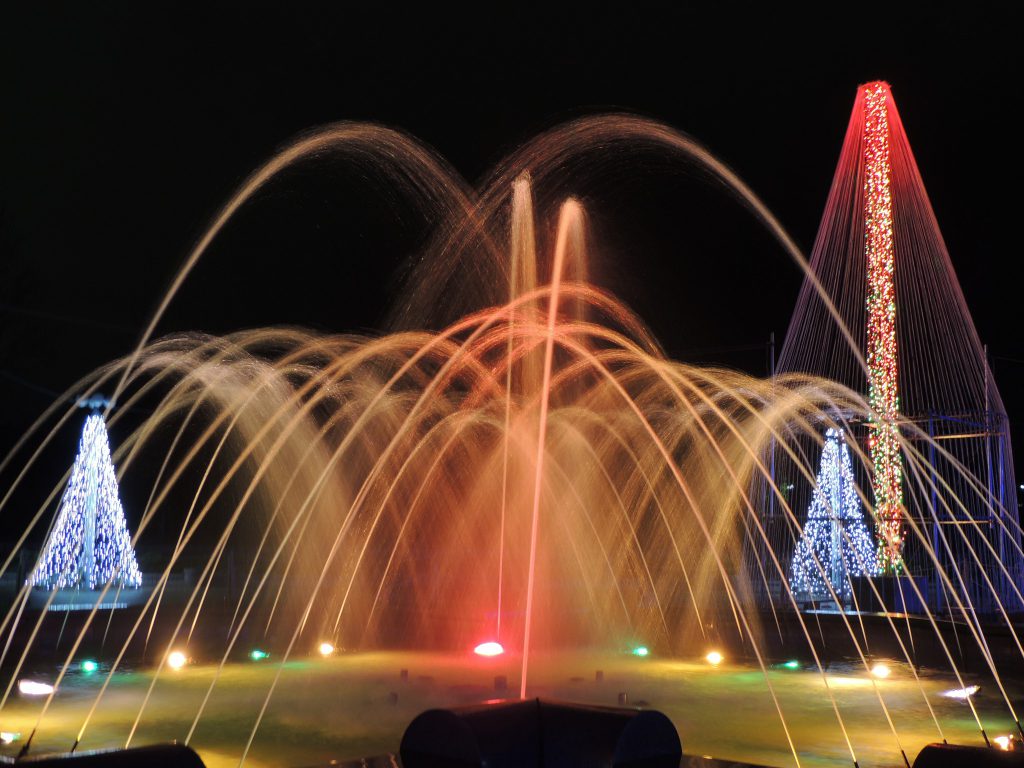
325	649
1004	743
714	658
490	648
33	688
257	655
88	666
641	650
791	664
9	737
176	660
881	670
962	693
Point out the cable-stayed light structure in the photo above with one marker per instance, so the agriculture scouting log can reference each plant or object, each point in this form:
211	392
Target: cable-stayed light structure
933	458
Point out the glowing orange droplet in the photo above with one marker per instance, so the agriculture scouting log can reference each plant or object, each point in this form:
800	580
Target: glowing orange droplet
489	649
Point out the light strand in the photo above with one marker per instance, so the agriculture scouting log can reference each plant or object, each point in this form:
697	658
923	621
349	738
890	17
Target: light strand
883	385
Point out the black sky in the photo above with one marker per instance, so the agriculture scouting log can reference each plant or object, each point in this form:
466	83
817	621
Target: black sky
125	126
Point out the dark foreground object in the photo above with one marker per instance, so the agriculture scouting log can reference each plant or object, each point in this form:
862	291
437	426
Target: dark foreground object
158	756
540	734
952	756
519	734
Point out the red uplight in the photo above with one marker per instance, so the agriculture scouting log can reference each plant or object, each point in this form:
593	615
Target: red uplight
489	649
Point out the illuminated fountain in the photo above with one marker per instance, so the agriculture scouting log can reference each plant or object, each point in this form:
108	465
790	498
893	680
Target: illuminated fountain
534	481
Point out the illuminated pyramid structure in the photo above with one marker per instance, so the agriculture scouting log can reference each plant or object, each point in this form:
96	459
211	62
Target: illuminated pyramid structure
835	544
89	545
934	461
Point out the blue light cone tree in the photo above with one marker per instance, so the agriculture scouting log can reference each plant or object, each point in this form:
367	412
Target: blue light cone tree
89	545
835	532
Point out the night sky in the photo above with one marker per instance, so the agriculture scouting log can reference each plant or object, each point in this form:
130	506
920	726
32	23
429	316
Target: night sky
124	127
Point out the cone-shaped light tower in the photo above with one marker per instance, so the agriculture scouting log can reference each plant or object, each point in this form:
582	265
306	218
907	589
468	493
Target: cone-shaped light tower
89	544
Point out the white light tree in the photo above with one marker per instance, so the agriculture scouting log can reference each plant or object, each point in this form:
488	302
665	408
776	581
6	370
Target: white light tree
89	544
835	533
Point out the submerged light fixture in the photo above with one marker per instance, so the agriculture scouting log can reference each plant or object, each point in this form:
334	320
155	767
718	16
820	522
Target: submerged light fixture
490	648
881	670
33	688
325	649
962	693
176	660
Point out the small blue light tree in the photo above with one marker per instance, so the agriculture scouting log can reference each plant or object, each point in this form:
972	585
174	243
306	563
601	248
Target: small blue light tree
835	532
89	545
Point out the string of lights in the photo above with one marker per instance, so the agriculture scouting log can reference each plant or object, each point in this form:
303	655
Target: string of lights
879	234
835	544
883	391
89	545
